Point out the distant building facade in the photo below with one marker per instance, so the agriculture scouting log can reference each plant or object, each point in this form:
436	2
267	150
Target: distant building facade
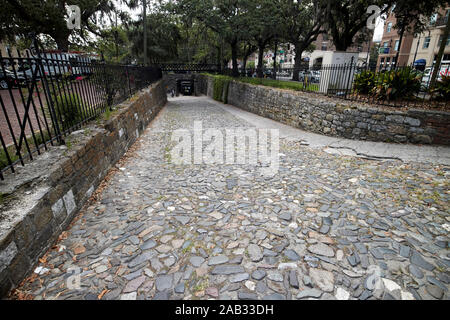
425	46
324	45
390	45
4	46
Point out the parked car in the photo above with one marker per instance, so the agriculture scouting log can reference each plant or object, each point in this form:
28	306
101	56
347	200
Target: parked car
315	76
8	78
428	72
268	74
311	76
27	72
283	73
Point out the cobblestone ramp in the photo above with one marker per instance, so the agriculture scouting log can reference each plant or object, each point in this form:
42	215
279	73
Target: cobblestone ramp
325	227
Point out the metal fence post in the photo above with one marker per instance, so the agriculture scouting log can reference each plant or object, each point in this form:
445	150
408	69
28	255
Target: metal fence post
349	76
53	115
128	78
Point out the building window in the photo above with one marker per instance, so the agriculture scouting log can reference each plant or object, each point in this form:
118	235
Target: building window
388	60
445	58
385	44
397	42
382	61
324	46
440	41
426	43
389	27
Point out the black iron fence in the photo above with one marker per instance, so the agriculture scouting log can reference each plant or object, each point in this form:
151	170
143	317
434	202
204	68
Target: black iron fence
189	67
45	97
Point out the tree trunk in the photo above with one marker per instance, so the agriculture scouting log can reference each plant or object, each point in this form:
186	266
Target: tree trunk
437	66
298	62
222	59
218	58
244	65
259	69
275	61
402	32
62	41
235	71
340	45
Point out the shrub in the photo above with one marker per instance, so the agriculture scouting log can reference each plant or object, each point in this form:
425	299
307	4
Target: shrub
68	108
365	82
442	88
396	84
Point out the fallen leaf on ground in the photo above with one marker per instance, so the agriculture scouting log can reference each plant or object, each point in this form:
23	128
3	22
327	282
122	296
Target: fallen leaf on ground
100	296
79	249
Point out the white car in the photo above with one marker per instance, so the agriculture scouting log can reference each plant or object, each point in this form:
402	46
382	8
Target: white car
428	72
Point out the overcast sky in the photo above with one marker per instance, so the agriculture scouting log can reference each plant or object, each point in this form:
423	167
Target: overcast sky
378	30
135	13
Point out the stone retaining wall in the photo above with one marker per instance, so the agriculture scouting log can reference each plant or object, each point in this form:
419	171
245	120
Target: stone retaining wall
336	117
41	199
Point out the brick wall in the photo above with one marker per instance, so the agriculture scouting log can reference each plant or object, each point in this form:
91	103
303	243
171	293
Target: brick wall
41	199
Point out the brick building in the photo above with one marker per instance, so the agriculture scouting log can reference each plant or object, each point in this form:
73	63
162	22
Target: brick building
389	46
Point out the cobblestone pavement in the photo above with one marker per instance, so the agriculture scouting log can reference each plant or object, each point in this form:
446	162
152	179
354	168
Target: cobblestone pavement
325	227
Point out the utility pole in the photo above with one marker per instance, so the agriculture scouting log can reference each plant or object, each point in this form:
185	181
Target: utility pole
144	17
415	53
397	56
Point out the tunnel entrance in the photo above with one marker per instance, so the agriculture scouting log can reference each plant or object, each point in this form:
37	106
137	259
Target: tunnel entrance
185	87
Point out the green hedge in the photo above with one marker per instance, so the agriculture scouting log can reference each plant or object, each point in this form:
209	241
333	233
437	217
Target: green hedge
365	82
389	85
221	84
442	88
220	92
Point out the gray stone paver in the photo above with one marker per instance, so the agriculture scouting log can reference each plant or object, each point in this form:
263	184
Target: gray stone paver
316	230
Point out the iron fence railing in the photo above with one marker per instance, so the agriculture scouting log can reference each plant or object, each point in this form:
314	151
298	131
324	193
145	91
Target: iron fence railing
45	97
397	86
189	67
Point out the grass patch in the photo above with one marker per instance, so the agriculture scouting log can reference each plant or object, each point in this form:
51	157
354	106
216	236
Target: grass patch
289	85
188	248
202	284
11	150
167	154
107	114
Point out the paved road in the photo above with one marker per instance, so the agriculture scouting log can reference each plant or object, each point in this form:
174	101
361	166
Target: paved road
13	117
326	226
